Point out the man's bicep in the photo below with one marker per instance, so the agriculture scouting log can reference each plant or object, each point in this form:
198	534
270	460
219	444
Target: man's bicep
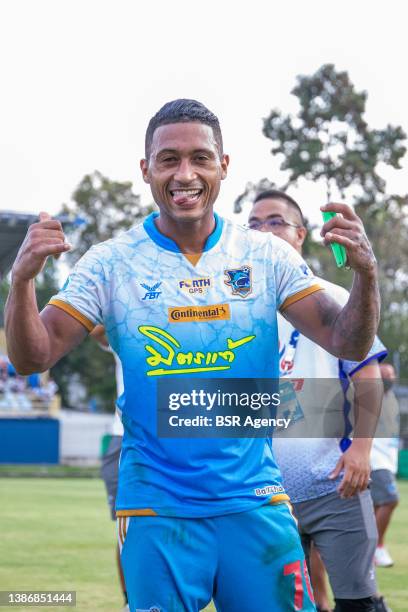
369	371
64	331
314	316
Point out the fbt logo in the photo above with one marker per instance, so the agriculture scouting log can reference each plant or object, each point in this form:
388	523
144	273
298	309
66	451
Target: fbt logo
151	292
195	285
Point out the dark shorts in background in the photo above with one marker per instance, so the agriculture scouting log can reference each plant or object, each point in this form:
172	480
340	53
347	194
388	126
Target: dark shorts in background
345	533
383	487
109	471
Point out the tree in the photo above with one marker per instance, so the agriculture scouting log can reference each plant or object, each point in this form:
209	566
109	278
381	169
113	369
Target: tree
100	208
329	140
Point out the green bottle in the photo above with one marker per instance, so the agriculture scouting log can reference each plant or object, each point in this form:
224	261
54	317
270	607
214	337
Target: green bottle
338	250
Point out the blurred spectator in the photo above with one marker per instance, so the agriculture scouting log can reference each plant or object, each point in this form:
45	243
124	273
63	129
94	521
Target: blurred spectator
24	393
384	464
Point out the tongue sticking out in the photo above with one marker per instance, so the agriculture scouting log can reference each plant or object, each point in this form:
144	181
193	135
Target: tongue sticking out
181	199
186	197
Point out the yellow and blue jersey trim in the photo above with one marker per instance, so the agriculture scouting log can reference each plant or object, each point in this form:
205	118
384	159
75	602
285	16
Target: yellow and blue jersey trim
89	325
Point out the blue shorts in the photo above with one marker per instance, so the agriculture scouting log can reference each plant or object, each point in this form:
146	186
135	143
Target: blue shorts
245	561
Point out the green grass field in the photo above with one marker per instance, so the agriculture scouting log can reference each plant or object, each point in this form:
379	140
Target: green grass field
56	535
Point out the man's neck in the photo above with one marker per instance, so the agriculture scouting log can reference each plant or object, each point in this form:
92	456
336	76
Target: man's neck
190	237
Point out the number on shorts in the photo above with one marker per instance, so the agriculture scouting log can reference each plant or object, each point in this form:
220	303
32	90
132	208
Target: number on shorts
295	568
307	579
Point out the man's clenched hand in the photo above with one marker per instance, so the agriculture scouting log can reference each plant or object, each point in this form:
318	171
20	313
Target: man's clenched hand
346	228
43	239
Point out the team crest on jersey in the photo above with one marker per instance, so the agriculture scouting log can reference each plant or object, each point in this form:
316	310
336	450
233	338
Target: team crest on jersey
240	280
151	292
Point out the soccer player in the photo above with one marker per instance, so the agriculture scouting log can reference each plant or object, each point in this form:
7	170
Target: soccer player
384	465
186	297
327	487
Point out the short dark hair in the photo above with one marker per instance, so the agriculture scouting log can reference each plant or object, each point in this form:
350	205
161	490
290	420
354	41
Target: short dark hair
275	194
183	111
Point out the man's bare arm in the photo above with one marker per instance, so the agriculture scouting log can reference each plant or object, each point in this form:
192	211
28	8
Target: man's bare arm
346	332
355	461
35	342
99	335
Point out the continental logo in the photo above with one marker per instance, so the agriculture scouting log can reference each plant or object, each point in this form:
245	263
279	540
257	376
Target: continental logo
195	285
185	314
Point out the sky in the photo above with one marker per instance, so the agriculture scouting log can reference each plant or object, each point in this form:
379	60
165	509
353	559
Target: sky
80	80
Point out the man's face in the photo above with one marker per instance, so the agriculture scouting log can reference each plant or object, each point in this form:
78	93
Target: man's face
270	210
184	170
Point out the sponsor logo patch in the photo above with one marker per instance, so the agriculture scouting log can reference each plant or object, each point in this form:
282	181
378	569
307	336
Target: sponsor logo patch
195	285
185	314
240	280
151	292
167	356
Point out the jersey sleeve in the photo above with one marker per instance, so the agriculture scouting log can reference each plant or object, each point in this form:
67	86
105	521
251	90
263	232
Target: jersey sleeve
378	352
293	278
83	293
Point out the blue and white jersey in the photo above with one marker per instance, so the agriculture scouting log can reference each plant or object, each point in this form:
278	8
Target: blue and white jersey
306	463
165	317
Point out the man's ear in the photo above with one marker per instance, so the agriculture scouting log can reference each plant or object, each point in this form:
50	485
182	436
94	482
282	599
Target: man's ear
144	166
224	165
301	235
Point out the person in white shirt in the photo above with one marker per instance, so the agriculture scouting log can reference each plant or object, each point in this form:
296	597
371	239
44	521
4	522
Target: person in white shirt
326	477
384	465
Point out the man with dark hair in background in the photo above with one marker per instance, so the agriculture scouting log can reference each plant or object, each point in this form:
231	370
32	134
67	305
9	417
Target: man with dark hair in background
206	517
327	487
